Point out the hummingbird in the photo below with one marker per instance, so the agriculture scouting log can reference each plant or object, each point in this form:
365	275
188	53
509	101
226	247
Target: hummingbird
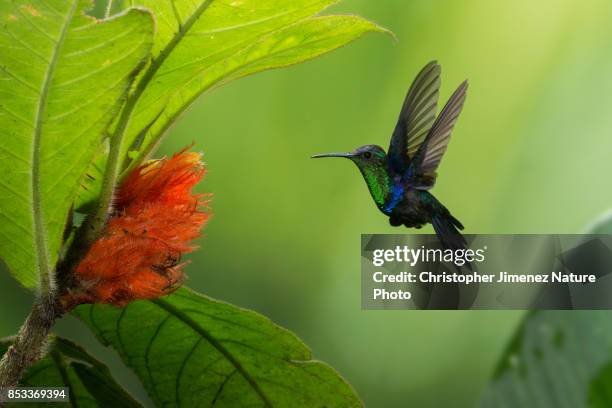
400	179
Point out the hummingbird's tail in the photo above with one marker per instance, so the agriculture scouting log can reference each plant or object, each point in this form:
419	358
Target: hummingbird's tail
447	229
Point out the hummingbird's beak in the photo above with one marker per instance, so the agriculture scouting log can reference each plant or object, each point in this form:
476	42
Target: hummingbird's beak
345	155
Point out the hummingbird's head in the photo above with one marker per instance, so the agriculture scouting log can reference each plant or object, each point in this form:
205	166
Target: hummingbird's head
364	156
372	163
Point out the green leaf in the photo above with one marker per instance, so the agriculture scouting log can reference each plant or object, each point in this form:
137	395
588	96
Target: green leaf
600	388
90	187
603	225
62	78
600	393
190	350
558	358
203	44
302	41
68	365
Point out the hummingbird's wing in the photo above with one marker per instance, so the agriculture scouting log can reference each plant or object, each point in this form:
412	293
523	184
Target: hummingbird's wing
422	170
416	117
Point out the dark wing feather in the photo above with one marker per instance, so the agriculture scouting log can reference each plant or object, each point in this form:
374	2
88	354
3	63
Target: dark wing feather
424	165
416	117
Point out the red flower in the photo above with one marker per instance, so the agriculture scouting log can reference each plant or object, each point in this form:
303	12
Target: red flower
155	219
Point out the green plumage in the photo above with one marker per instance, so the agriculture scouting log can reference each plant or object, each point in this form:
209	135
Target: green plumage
378	182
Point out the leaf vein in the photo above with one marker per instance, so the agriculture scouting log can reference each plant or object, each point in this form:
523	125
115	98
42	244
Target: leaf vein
10	239
20	80
36	27
179	374
188	321
213	317
90	101
75	163
102	44
18	194
222	386
102	67
146	356
19	118
243	25
50	7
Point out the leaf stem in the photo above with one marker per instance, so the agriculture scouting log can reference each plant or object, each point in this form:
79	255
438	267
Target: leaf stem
45	270
96	220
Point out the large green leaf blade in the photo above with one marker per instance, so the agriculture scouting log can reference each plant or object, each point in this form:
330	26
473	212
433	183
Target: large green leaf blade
206	43
66	364
299	42
190	350
62	77
557	358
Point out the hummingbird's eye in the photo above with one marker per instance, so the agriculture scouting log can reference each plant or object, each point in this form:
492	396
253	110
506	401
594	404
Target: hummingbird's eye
367	155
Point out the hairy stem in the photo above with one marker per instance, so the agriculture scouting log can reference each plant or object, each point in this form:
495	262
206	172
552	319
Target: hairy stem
30	343
96	220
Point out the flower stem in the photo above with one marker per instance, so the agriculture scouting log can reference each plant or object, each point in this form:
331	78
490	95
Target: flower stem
30	343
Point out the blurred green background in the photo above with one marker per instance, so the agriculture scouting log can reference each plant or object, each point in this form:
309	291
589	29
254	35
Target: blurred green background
530	154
